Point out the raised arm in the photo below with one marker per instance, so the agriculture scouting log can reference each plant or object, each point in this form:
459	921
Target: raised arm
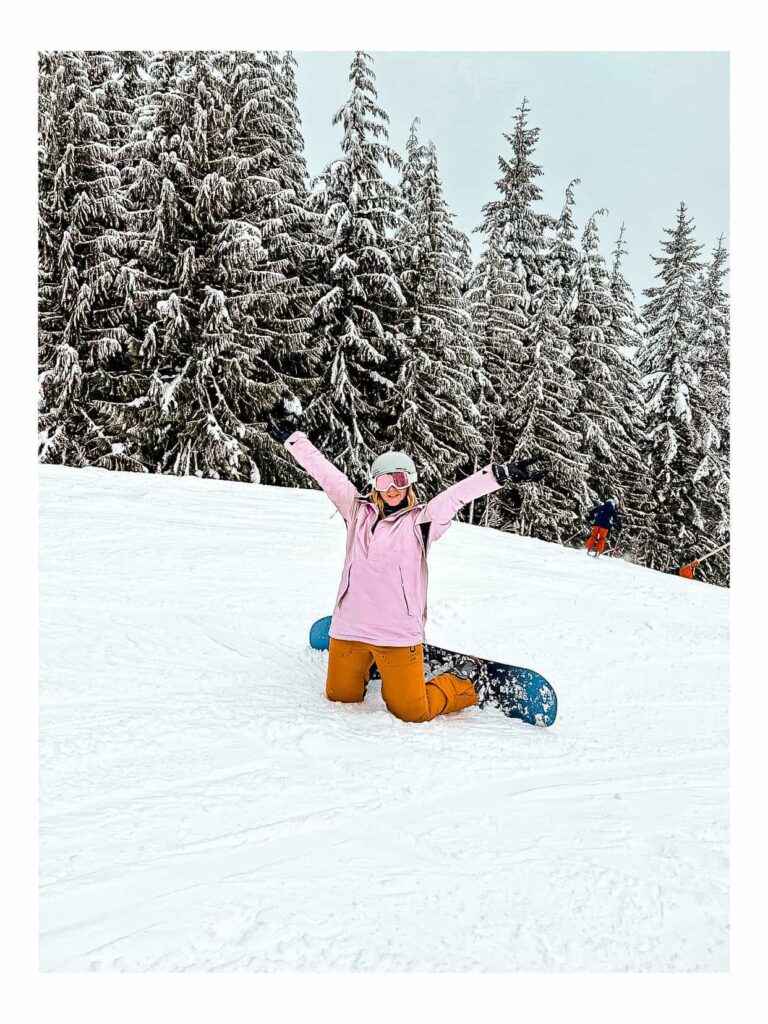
283	426
339	489
443	507
439	512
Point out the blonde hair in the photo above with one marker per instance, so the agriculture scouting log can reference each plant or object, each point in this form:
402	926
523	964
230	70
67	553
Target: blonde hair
378	501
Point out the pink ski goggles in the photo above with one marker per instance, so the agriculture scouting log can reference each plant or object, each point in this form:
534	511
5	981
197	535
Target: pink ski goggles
399	479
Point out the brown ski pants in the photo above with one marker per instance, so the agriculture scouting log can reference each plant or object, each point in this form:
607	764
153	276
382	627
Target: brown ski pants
405	691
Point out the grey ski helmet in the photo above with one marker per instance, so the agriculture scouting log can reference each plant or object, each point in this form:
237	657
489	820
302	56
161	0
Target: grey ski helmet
613	501
390	462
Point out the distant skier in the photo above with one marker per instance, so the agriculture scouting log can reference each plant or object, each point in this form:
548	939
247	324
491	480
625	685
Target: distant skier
604	518
380	607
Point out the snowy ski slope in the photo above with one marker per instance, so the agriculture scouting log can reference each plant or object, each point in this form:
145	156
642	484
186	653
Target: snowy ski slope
203	807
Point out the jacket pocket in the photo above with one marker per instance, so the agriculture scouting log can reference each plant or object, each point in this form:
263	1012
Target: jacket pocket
408	604
344	586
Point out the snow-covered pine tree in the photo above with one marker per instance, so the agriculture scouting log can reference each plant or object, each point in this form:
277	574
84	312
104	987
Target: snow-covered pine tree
710	340
215	184
625	329
124	98
86	284
542	419
563	255
522	227
607	406
438	382
713	341
497	330
191	415
360	305
627	322
265	253
165	191
155	174
411	175
290	121
677	527
509	272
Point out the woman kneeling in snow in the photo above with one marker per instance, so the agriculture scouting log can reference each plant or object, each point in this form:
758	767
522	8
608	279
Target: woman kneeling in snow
381	606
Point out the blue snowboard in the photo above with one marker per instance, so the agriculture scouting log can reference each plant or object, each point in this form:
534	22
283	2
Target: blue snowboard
518	692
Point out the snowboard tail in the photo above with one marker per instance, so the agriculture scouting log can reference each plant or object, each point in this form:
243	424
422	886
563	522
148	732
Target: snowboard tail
518	692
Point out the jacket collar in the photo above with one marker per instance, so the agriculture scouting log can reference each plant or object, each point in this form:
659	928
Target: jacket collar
395	515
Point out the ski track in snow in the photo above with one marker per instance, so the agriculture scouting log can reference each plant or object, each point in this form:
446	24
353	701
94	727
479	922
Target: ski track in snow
203	807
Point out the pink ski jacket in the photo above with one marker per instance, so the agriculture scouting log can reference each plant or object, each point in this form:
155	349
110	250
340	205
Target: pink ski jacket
382	597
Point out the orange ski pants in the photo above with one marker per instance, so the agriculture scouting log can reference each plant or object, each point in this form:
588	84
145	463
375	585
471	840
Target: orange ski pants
597	537
405	691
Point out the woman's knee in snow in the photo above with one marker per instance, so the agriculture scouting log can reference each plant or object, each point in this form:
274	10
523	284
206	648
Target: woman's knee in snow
343	695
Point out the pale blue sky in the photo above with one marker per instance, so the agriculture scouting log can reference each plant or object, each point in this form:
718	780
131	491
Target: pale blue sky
641	130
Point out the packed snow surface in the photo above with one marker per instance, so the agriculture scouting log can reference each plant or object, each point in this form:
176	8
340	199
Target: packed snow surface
203	807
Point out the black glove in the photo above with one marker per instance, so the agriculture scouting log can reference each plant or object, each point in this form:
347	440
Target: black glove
517	472
282	422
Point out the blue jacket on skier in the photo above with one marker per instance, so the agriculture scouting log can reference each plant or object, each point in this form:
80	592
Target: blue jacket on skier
606	515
